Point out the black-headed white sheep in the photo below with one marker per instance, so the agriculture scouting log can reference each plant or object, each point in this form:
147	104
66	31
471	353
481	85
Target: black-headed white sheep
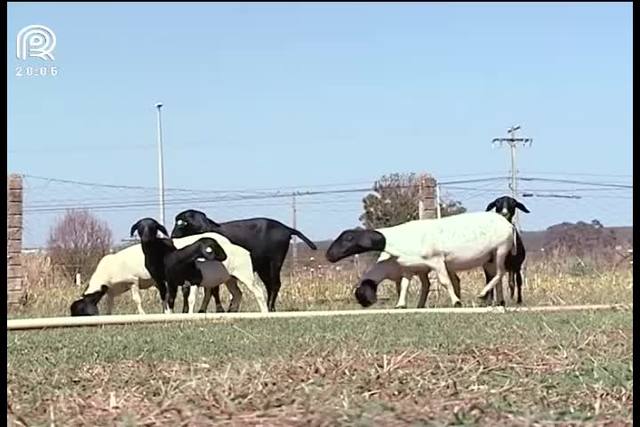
445	245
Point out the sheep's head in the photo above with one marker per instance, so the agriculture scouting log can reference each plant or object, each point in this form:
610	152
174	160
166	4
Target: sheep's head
355	241
210	250
192	222
366	293
506	206
88	304
148	229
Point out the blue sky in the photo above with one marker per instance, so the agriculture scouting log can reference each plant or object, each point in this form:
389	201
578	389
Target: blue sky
301	95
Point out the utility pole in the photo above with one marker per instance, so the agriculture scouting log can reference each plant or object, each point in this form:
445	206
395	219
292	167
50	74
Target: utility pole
512	141
294	240
160	165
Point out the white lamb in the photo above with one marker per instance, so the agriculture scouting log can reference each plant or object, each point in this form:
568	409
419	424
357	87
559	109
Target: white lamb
387	267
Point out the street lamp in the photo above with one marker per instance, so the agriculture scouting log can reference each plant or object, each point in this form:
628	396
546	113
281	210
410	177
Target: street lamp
160	165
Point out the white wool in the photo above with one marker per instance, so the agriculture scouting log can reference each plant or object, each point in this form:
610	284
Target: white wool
458	242
463	241
120	270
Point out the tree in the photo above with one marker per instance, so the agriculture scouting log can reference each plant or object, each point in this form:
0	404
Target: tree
395	200
77	242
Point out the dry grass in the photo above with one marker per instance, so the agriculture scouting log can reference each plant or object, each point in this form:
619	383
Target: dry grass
565	282
521	370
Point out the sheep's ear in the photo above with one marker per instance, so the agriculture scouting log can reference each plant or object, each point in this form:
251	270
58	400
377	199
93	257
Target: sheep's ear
163	230
214	251
212	222
220	254
522	207
134	228
490	206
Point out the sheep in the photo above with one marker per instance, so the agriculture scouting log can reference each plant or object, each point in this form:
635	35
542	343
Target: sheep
118	272
126	270
157	250
166	255
387	267
266	239
450	244
506	206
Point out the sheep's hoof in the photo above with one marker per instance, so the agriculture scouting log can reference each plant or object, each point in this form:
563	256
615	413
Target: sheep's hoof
457	304
202	310
400	306
219	309
233	309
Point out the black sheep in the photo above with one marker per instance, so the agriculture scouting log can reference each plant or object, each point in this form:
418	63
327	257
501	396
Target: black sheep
267	240
506	206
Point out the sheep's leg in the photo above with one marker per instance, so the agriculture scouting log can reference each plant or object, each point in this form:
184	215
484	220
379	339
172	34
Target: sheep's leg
443	278
205	300
489	273
519	286
216	297
135	296
497	279
236	294
260	297
403	284
186	294
511	284
192	298
499	293
276	283
109	303
455	281
424	289
171	298
264	272
398	288
164	296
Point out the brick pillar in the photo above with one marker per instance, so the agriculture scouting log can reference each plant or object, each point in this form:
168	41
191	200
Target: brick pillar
16	291
428	196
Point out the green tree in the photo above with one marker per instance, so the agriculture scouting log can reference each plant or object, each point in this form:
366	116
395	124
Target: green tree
395	200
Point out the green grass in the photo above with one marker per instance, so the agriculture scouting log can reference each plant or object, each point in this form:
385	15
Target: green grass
411	369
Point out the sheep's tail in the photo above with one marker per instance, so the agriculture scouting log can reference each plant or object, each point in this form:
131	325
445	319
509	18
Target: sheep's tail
303	238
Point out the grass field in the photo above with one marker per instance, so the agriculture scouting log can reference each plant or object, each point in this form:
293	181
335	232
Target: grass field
408	369
412	369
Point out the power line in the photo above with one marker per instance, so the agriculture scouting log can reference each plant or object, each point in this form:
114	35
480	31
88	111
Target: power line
63	204
569	181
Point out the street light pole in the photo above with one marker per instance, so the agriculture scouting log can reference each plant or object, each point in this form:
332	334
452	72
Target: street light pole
160	165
